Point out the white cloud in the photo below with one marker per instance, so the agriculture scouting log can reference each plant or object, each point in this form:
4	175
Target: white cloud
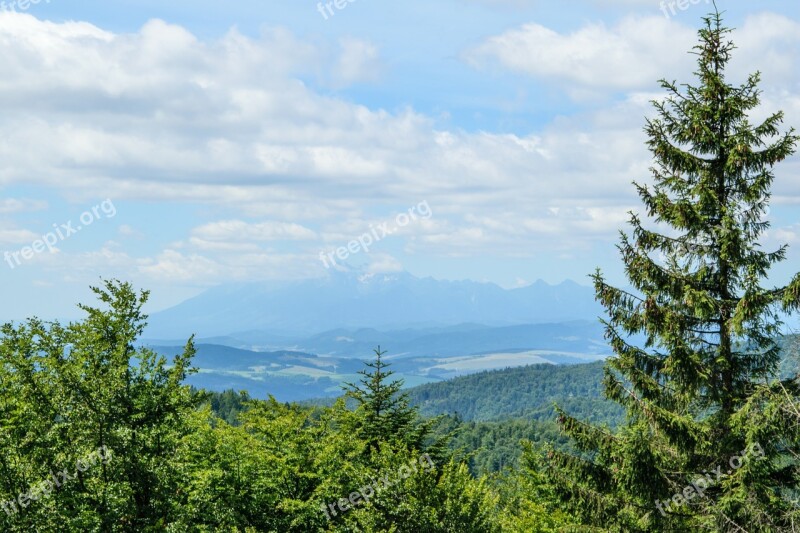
175	266
358	62
384	264
171	265
161	116
17	236
128	231
238	230
522	4
769	43
635	52
20	205
786	235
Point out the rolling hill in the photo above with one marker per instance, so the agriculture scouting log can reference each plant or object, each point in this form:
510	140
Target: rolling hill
317	366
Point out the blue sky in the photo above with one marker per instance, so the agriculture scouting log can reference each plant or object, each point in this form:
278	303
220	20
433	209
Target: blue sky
238	140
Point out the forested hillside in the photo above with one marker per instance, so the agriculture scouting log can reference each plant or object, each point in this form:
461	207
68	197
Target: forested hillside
527	393
487	447
110	438
114	447
490	413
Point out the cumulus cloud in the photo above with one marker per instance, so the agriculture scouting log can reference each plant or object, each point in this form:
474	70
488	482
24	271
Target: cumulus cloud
633	53
359	61
787	235
522	4
384	264
20	205
238	230
237	123
17	236
177	266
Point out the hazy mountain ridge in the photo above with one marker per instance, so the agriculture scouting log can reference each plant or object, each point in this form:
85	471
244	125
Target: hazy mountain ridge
354	300
418	356
303	339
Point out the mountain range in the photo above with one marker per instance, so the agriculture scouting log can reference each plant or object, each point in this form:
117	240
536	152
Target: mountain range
279	312
317	366
303	339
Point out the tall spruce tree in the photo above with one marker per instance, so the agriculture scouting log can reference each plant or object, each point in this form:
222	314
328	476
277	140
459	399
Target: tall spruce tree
384	412
693	387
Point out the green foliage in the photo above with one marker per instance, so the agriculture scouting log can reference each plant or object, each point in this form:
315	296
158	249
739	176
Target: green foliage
228	405
437	497
383	413
66	391
790	360
490	447
526	392
177	459
703	388
528	497
183	460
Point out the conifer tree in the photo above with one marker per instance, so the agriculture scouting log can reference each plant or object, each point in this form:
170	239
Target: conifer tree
693	388
384	413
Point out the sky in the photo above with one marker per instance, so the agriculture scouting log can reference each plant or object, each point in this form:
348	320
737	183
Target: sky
180	145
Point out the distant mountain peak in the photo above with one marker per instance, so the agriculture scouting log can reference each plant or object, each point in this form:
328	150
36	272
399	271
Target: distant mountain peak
353	298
